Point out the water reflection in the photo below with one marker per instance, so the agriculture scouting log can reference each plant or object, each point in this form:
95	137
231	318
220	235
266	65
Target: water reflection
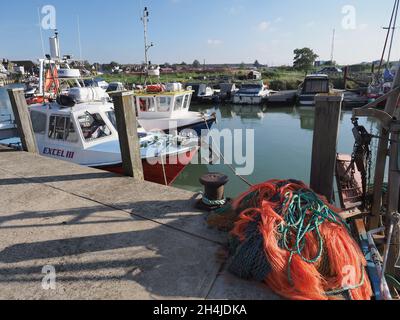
283	142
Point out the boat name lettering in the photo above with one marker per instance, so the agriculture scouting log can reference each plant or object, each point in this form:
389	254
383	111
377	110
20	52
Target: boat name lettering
58	153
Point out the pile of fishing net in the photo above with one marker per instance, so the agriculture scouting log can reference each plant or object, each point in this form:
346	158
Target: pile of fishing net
292	240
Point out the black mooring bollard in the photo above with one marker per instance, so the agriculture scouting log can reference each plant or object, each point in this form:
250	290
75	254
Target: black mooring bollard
214	191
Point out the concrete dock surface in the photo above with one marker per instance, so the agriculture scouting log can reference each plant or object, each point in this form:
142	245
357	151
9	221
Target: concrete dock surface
106	236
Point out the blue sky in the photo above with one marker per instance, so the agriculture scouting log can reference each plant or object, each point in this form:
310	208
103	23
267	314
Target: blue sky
220	31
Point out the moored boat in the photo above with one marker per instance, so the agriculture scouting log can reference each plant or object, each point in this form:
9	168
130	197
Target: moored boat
313	84
84	132
166	108
254	93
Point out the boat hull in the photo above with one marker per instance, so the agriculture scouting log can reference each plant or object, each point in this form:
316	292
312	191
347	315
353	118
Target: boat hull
155	172
197	125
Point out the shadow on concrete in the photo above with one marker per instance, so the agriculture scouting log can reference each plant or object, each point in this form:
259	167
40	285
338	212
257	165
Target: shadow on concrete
51	179
147	210
163	261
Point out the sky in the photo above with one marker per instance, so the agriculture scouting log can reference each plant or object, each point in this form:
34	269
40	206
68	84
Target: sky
217	31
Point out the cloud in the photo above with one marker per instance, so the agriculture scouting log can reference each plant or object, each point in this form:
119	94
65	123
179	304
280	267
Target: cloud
214	42
263	26
278	20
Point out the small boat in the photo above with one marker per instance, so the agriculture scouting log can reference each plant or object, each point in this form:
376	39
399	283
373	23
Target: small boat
254	93
206	95
226	92
166	108
81	128
313	84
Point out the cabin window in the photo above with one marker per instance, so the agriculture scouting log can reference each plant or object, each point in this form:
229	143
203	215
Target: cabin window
164	104
39	121
147	105
186	104
93	126
178	103
62	128
317	86
111	116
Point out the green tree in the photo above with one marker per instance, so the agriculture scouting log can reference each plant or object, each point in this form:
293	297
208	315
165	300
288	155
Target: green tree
242	66
196	64
257	64
304	59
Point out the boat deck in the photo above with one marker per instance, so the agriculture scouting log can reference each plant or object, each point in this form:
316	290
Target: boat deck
107	236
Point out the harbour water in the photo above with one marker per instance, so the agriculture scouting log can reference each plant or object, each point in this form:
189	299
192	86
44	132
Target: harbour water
283	142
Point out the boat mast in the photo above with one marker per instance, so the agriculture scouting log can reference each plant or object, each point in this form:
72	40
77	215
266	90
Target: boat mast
396	4
393	33
145	20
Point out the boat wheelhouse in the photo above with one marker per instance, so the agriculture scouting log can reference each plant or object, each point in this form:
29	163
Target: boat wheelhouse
313	84
253	93
85	133
166	108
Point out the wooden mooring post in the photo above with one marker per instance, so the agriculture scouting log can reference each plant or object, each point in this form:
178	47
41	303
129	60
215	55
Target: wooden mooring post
327	117
125	113
23	120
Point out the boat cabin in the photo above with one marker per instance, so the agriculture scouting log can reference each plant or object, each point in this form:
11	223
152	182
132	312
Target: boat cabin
163	104
315	84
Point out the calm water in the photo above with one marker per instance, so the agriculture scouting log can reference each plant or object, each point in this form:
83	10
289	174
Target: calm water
283	139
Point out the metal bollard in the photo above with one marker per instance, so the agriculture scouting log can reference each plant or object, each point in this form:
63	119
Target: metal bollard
214	192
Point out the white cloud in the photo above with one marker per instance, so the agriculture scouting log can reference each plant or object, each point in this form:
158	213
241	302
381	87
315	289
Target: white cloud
214	42
278	20
263	26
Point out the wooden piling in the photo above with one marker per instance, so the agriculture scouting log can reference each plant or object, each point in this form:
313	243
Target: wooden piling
23	120
327	116
125	113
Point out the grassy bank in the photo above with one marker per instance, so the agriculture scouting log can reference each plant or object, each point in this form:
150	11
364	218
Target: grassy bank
278	79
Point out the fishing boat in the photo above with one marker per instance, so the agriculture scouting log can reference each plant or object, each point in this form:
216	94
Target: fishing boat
254	93
166	108
81	128
313	84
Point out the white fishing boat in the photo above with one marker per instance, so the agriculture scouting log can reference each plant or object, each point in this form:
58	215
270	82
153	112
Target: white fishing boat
254	93
166	108
81	128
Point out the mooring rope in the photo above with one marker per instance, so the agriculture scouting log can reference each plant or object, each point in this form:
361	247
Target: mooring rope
219	153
